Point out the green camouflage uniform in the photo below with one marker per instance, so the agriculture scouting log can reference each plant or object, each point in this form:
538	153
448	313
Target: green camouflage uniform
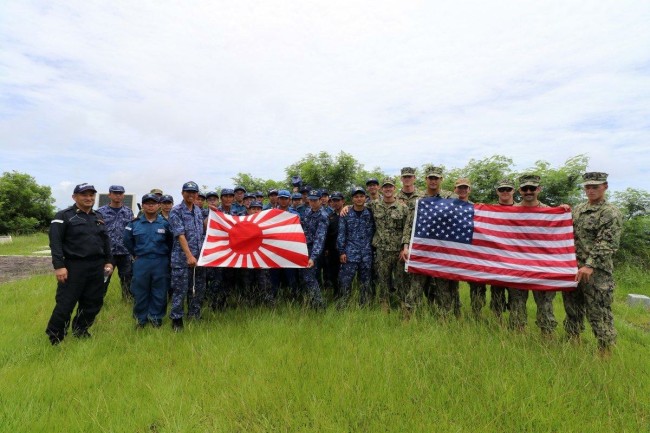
442	293
597	231
390	225
545	318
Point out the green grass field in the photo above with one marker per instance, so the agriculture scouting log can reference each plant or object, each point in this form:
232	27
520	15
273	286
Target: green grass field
289	370
25	245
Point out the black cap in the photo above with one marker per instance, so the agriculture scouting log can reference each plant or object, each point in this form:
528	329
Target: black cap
116	188
84	187
150	197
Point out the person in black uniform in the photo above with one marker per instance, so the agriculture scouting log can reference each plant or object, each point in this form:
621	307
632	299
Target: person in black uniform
81	256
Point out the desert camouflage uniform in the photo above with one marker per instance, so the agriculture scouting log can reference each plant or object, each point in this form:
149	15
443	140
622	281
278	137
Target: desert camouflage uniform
517	299
390	226
597	231
442	293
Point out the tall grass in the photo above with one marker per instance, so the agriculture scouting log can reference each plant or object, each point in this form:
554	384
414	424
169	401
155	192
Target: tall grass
260	370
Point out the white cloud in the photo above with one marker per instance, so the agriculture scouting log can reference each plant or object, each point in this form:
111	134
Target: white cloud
154	94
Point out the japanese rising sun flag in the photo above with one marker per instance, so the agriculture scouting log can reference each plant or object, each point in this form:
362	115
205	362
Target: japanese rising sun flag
510	246
268	239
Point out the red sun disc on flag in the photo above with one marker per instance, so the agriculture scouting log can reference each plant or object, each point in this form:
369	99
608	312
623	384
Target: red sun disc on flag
245	237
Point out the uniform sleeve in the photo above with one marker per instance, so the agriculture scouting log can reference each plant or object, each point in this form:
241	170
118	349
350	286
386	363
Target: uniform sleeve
607	240
341	237
408	227
319	239
176	223
128	238
57	232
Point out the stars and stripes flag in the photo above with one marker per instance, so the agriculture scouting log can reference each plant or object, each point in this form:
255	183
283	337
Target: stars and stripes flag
510	246
268	239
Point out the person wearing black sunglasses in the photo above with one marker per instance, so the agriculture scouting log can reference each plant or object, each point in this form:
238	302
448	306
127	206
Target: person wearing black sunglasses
529	189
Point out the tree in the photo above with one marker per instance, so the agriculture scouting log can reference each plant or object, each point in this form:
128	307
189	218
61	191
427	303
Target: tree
635	239
483	174
562	184
253	184
324	171
25	206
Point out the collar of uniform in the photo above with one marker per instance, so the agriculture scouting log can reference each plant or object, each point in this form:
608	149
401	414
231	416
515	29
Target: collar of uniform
77	210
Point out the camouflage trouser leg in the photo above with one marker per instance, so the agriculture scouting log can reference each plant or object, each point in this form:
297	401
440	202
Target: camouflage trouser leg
183	279
310	278
517	299
477	297
390	276
446	297
594	299
545	318
416	283
498	300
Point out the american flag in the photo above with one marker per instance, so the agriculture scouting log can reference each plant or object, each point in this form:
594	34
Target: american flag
268	239
511	246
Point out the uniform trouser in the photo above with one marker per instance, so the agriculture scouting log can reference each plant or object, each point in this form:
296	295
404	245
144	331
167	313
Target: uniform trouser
123	264
593	299
257	285
84	288
518	318
445	296
332	270
290	276
390	276
183	280
212	282
348	270
313	292
477	298
150	285
498	303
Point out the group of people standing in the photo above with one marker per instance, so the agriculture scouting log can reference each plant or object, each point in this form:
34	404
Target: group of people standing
156	254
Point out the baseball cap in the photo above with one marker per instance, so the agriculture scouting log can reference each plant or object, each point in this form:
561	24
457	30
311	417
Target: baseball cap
83	187
190	186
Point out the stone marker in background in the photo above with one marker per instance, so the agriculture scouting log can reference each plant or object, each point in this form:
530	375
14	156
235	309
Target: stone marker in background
634	300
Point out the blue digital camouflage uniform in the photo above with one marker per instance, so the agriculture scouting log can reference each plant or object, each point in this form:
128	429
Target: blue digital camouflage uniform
186	282
150	244
354	239
116	220
314	224
237	209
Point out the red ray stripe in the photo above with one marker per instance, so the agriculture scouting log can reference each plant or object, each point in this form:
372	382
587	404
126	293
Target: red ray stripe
473	254
293	237
292	256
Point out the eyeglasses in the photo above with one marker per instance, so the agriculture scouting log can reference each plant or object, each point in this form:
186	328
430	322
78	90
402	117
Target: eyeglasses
504	189
433	177
528	188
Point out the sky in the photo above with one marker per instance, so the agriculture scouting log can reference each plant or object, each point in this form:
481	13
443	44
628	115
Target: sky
155	93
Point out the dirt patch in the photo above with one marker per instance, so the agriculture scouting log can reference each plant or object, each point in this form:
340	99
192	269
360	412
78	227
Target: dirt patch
17	267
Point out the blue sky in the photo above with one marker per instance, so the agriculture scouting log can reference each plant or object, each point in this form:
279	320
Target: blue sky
152	94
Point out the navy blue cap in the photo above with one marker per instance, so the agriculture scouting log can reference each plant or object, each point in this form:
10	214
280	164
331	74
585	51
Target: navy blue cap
273	191
149	197
296	196
284	193
249	195
116	188
336	196
227	191
296	180
259	194
256	204
211	194
372	180
202	194
314	195
356	190
166	198
305	188
324	192
83	187
240	188
190	186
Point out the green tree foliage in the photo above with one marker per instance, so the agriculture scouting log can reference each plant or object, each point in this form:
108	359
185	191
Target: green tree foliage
635	240
251	183
560	185
324	171
25	206
483	174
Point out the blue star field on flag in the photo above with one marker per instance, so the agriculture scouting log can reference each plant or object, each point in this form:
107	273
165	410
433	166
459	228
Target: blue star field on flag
445	219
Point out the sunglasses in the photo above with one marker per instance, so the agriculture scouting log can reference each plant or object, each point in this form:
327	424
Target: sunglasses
504	189
433	177
528	188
